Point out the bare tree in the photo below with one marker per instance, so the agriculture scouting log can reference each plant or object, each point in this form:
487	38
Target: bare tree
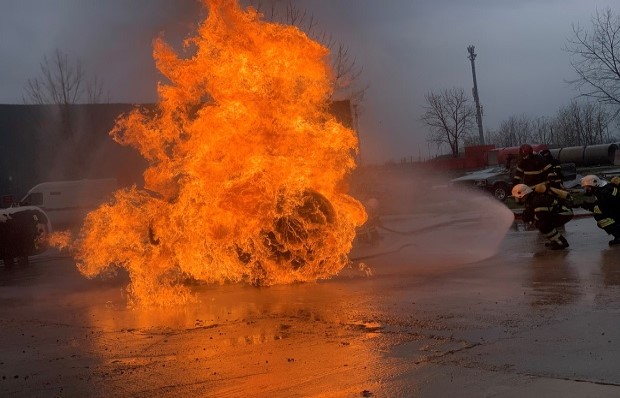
95	91
582	124
596	58
542	131
515	130
346	70
62	82
566	126
573	125
473	139
450	118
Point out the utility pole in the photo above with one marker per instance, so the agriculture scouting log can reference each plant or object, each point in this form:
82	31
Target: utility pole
472	57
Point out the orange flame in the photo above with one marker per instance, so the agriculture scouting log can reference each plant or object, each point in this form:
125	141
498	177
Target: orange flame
247	167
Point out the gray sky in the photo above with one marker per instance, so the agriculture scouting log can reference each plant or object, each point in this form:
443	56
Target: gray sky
406	48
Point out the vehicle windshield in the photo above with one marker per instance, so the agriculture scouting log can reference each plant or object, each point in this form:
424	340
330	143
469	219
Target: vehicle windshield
33	199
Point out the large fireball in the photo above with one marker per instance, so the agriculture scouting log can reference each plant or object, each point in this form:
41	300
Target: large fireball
247	168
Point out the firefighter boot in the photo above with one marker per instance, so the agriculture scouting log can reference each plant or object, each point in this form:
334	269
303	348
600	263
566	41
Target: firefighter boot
558	244
615	232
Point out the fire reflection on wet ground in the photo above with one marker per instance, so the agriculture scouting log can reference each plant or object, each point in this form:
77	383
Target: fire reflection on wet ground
311	338
306	343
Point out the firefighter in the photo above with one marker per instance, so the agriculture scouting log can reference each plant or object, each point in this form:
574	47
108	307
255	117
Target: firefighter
606	204
548	208
532	168
555	175
511	164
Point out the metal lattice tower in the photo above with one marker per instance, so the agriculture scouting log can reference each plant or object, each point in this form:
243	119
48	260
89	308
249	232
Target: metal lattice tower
472	57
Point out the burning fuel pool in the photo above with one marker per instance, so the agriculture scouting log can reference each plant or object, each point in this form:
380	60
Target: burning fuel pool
525	322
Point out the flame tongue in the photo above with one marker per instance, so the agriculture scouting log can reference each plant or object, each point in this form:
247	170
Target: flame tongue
246	167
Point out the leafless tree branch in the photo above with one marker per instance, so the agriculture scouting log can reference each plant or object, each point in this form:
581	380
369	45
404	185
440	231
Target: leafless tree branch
347	72
576	124
596	58
61	82
450	118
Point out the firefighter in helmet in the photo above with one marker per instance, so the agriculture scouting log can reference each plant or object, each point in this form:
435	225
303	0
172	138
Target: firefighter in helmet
606	204
548	208
555	175
532	168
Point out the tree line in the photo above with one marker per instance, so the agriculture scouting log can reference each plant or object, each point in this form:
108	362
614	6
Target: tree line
592	119
576	124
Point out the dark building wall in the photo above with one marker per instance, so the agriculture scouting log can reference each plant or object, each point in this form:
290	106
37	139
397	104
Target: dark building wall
34	146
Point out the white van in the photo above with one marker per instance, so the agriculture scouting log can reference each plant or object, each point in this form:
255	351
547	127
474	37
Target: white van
66	203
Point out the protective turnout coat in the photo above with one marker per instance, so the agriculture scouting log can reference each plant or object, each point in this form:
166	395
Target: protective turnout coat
606	208
533	170
548	208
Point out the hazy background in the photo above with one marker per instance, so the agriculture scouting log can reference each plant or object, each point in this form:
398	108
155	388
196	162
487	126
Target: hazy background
405	47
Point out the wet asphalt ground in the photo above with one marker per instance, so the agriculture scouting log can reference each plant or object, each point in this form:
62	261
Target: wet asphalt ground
524	322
